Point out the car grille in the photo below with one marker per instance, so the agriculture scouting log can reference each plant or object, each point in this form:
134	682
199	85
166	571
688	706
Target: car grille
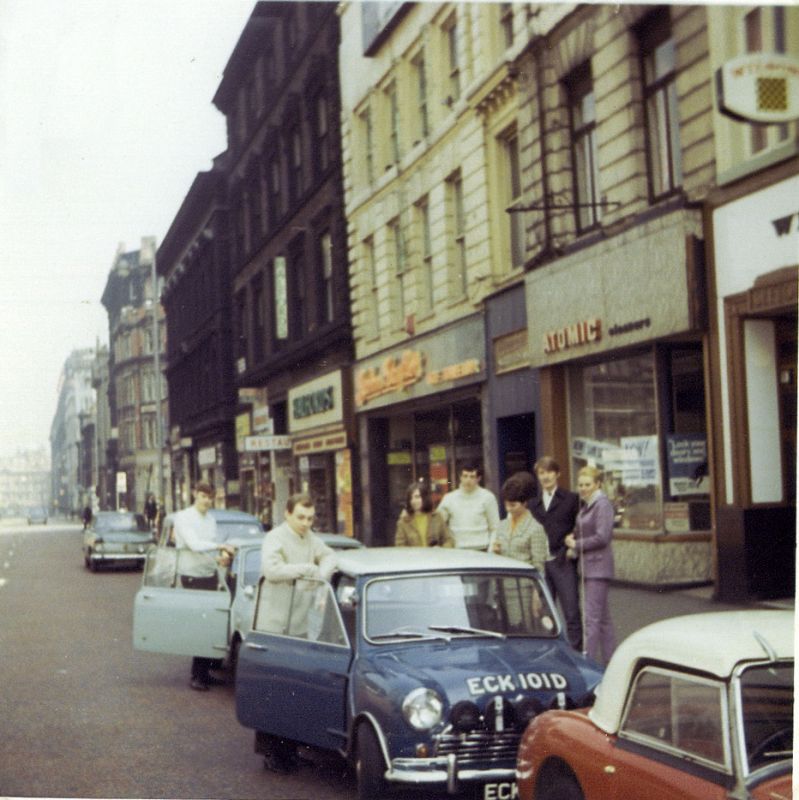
480	748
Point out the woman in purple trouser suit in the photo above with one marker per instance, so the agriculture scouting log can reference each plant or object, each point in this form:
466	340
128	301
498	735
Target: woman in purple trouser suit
593	545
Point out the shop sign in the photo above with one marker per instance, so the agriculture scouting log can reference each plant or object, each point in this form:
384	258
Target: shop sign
686	457
316	403
207	456
511	352
257	444
394	374
398	458
242	429
453	372
320	444
261	421
122	482
759	87
574	335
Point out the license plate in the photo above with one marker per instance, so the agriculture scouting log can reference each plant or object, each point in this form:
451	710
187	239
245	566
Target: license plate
505	790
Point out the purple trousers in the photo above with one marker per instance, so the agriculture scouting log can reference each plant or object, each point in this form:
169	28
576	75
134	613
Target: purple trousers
600	635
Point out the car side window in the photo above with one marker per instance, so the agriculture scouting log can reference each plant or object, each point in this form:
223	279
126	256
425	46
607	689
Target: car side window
301	609
160	567
685	714
251	571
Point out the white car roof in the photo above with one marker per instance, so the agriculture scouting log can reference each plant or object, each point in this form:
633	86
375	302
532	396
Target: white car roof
713	643
396	560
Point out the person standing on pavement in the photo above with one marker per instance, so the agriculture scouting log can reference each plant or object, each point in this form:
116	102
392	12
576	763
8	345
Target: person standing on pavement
520	535
471	511
556	509
150	511
418	524
198	554
290	552
592	543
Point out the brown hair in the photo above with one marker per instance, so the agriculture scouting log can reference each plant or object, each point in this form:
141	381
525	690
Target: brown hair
299	499
591	472
204	487
548	464
519	488
424	493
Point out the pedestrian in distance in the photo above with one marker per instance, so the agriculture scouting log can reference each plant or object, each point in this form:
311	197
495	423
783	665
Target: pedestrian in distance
520	535
556	509
87	517
470	511
199	552
150	510
290	553
418	524
592	542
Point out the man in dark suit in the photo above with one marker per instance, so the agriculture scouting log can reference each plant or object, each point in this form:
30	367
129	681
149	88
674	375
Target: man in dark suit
556	509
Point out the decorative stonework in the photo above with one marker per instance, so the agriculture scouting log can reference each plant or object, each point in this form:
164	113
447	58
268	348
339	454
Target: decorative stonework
661	562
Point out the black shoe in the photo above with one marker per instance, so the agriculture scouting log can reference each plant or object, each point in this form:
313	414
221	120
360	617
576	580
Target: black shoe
212	681
283	765
199	685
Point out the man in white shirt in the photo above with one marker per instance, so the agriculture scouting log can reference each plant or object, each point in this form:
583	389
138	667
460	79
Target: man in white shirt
198	554
471	511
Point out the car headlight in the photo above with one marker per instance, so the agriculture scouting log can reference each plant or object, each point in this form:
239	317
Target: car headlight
422	709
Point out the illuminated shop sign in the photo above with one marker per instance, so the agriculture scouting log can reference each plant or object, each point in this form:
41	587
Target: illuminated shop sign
576	335
759	87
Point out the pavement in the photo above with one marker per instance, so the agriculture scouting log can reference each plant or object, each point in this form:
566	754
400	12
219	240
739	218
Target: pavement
632	608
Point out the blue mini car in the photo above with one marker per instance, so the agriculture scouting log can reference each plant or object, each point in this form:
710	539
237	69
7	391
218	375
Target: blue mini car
422	666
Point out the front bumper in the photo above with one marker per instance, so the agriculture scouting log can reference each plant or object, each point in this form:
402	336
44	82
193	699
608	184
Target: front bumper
95	556
444	770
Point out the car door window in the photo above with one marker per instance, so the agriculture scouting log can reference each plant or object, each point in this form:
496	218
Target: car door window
252	567
685	714
160	567
301	609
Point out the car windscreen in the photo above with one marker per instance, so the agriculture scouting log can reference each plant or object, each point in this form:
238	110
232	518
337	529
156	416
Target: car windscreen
454	605
121	522
766	693
237	530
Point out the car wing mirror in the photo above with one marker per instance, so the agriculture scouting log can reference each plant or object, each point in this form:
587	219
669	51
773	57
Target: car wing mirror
249	592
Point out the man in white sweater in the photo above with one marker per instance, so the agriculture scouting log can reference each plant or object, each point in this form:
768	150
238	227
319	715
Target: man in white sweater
471	511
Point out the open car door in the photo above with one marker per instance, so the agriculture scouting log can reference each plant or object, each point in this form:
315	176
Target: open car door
169	618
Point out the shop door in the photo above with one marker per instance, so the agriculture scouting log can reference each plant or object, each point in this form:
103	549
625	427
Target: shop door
321	485
516	444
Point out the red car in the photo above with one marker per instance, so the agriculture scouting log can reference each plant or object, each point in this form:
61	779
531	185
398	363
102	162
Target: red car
691	708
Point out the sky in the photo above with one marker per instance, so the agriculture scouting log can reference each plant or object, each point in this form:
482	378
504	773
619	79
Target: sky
105	119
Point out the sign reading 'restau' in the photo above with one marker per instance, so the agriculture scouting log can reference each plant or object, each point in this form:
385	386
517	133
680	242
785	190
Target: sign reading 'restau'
580	333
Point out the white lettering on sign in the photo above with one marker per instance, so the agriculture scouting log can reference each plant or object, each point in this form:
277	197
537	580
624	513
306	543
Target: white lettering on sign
492	684
501	791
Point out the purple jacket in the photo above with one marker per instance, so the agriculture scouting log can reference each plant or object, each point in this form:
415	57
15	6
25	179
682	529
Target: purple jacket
593	538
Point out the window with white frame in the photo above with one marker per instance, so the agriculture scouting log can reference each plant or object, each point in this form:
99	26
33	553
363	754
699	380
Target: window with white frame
326	301
457	235
512	194
367	140
419	68
392	108
659	72
453	59
397	291
585	167
425	284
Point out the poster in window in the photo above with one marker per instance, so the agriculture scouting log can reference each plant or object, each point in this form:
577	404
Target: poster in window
641	467
686	458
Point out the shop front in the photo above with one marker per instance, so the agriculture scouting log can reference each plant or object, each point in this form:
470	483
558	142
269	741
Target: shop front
321	449
420	417
617	332
754	256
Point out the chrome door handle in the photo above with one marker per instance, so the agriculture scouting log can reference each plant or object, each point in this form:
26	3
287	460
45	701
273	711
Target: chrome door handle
252	646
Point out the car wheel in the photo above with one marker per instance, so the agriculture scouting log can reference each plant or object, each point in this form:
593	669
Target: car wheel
369	765
94	564
558	786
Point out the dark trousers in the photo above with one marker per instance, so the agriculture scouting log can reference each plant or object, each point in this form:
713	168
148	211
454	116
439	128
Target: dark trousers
561	577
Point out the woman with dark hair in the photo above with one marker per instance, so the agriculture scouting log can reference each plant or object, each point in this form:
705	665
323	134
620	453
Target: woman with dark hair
418	525
519	535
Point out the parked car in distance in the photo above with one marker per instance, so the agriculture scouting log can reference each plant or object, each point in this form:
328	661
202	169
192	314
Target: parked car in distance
115	537
697	707
37	516
422	666
230	524
168	618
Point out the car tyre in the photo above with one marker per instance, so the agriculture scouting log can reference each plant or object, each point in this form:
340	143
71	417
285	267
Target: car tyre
558	786
233	658
369	765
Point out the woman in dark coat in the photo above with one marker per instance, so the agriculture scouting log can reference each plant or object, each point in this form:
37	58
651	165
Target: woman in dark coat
592	543
418	525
